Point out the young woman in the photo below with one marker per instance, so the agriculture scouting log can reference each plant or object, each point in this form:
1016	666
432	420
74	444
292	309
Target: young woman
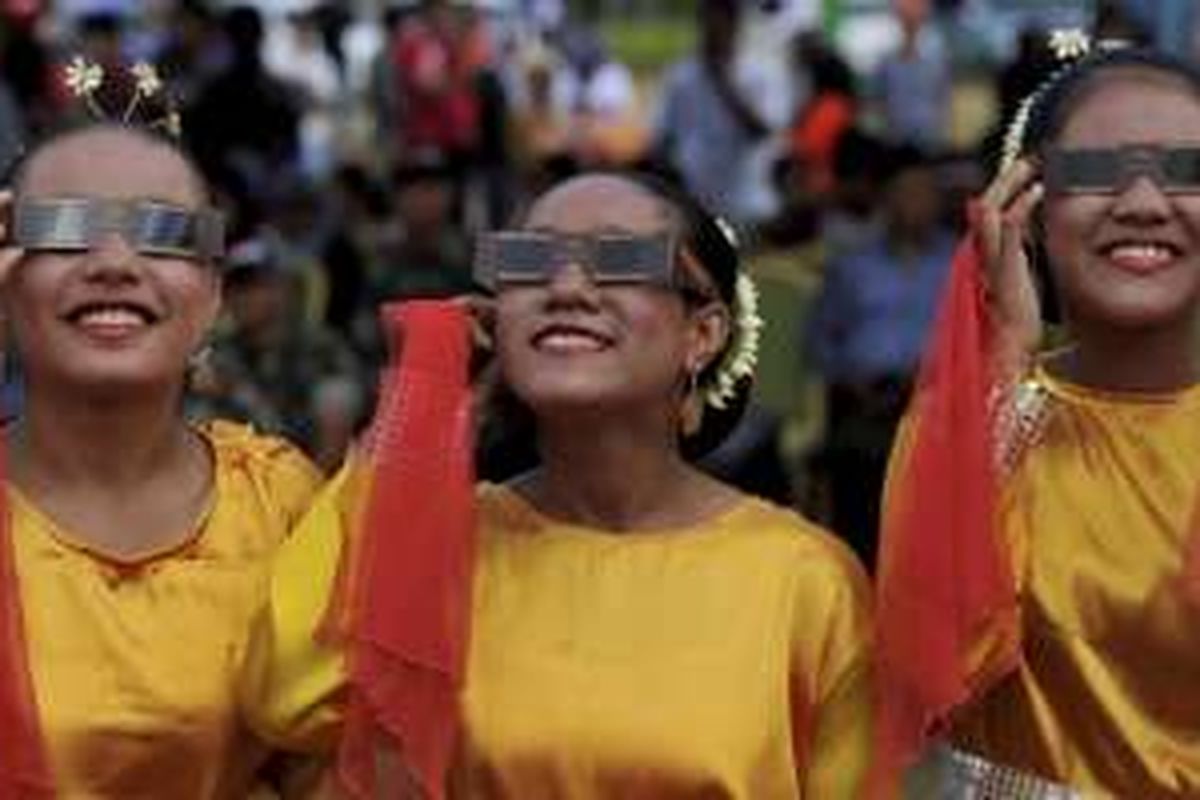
135	545
637	629
1037	604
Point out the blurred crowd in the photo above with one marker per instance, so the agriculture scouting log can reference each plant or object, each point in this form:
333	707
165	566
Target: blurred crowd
356	155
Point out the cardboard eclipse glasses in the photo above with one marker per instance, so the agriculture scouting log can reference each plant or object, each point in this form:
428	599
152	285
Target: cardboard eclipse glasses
1175	170
151	228
515	258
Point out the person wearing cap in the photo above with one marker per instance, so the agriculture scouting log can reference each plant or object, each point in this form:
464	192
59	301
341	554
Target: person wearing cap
270	367
613	623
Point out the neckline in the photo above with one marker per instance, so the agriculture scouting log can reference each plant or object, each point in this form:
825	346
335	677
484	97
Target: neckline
62	536
1066	388
717	523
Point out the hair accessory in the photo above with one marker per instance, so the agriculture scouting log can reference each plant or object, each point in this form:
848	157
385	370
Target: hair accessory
741	357
1069	46
85	79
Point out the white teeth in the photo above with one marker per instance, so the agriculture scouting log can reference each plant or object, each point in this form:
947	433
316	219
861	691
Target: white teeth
570	340
1142	252
111	316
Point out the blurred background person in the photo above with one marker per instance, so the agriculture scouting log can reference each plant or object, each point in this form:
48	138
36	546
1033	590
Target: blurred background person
714	117
868	330
270	367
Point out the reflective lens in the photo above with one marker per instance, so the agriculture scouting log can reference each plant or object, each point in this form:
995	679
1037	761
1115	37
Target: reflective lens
506	258
1176	170
154	229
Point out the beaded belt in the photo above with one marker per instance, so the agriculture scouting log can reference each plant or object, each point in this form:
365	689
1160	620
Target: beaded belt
971	777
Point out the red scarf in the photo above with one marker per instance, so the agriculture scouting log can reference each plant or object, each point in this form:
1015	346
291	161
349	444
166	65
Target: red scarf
945	580
404	602
24	768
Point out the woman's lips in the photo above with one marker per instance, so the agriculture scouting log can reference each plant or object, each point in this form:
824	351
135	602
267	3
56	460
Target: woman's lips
570	339
1140	258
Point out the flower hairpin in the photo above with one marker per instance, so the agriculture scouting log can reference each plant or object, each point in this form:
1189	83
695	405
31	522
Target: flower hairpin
1069	46
84	78
741	357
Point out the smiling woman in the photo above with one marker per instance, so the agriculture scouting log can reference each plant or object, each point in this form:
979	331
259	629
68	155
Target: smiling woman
637	629
1045	621
133	545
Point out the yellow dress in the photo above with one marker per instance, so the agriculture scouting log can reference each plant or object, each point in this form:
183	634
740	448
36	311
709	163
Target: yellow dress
1098	512
136	664
727	660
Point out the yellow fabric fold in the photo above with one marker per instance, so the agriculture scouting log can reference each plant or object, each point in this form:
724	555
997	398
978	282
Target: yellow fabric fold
1097	515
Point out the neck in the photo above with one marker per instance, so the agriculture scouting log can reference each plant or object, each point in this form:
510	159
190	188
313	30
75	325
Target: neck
618	475
1157	360
74	439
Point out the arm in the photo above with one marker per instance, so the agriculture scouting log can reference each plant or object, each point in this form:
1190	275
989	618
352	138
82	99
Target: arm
833	730
292	684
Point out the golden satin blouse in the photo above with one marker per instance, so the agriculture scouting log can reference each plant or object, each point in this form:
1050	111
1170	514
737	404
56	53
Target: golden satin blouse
728	660
1098	512
136	664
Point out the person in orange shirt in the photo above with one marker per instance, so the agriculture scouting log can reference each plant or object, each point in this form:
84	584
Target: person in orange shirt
133	545
828	115
636	628
1037	596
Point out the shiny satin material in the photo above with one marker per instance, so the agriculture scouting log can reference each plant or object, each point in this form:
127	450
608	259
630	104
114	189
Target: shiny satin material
136	664
726	660
1097	516
945	588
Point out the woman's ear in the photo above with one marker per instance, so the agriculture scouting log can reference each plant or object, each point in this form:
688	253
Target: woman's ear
709	333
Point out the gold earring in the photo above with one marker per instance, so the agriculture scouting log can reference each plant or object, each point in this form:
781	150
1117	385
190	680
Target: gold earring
691	412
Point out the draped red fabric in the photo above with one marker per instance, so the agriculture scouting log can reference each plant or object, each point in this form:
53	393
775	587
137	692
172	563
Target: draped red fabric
24	767
404	603
944	576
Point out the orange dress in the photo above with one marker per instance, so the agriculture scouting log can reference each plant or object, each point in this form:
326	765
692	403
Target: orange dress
136	664
1097	516
727	660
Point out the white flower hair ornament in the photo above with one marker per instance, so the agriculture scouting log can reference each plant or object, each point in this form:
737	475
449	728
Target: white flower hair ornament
1070	46
84	78
741	357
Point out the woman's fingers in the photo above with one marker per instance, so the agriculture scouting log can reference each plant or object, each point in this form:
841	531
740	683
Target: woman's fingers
9	253
1005	213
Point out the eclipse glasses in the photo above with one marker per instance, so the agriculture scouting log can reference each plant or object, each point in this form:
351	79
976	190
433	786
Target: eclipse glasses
150	228
516	258
1175	170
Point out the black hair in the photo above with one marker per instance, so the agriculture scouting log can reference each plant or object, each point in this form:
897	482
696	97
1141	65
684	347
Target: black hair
1056	100
711	242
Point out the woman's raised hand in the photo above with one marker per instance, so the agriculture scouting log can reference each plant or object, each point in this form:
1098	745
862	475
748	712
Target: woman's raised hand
10	254
1004	214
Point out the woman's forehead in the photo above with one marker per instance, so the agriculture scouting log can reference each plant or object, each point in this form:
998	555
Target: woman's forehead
110	163
1131	105
598	203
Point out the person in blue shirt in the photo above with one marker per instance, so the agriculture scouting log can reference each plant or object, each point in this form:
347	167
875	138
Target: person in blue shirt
866	336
